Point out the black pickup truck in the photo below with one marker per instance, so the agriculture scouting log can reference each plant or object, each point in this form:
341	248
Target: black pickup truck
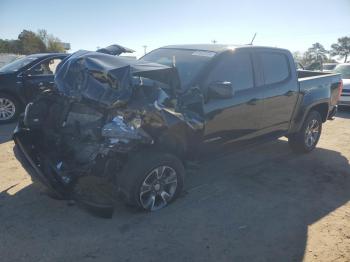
137	122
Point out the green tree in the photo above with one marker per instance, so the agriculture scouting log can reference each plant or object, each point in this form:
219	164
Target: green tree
317	53
330	60
10	46
297	55
52	43
4	46
43	35
342	48
55	45
314	57
298	58
31	43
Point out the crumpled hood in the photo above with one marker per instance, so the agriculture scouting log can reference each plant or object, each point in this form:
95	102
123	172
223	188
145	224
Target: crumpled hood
107	79
115	50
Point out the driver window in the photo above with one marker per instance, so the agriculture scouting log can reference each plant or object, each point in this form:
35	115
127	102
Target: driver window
47	67
235	68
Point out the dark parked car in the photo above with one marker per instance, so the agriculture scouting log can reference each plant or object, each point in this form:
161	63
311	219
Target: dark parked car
137	123
22	79
328	67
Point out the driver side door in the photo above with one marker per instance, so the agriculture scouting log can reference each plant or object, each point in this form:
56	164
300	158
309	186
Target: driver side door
239	117
40	77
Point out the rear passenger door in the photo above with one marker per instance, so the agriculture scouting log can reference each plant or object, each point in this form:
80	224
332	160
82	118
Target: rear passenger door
280	89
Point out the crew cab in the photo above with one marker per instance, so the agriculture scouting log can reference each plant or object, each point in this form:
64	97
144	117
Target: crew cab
22	79
138	122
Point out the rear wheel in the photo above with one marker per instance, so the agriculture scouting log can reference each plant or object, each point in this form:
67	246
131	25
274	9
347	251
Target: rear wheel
9	108
307	138
151	180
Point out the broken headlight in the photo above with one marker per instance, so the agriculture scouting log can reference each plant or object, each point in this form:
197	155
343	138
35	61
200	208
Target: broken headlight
117	128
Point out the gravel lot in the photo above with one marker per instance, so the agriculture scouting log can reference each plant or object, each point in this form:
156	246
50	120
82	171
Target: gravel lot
260	204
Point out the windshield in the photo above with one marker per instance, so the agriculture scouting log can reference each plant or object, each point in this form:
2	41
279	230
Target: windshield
344	70
187	62
18	64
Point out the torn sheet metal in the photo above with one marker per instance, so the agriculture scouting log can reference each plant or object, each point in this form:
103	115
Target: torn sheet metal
115	50
108	79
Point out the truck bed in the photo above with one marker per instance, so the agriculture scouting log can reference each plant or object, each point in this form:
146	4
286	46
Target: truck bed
326	83
318	86
310	74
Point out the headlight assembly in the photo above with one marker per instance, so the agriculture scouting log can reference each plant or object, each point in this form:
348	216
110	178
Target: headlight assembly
117	128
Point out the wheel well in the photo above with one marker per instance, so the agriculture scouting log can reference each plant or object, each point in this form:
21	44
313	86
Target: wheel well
173	144
322	109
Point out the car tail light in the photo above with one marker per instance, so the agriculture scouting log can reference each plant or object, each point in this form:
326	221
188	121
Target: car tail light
340	88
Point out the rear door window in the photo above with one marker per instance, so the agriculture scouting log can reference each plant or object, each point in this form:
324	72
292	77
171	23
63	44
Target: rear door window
275	67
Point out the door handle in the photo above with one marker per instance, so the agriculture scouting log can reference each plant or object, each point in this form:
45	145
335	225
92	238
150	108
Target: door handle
289	93
253	101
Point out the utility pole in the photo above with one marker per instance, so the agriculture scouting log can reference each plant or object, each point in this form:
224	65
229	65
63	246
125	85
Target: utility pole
145	48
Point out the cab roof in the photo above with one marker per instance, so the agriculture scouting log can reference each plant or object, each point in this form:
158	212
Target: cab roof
218	48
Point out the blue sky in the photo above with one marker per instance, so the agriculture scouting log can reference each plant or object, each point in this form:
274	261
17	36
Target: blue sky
293	24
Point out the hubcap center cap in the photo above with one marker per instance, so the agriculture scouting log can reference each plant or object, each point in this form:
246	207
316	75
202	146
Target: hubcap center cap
157	187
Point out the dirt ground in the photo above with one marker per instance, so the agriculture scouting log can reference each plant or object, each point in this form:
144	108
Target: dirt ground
263	203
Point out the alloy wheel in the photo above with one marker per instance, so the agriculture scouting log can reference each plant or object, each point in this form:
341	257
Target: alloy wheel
7	109
312	133
158	188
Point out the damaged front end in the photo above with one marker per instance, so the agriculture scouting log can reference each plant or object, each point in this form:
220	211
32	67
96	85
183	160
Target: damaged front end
103	109
67	140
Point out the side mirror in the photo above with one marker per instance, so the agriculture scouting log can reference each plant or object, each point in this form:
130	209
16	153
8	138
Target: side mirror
221	90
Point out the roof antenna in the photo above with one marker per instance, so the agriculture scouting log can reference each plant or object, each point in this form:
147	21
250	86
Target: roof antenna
251	42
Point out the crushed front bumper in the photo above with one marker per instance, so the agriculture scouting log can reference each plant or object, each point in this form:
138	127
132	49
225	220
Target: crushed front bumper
40	167
37	163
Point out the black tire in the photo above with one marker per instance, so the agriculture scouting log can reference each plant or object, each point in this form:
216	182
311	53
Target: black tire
139	167
13	101
301	142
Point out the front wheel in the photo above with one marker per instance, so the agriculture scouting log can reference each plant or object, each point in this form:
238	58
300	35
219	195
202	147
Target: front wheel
9	108
307	138
151	180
